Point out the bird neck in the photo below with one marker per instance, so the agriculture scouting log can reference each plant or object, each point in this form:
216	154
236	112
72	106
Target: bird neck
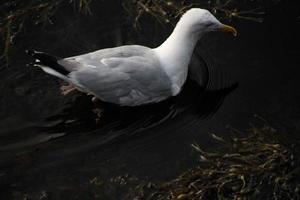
175	54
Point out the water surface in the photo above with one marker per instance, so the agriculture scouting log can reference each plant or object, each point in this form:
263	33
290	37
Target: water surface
50	143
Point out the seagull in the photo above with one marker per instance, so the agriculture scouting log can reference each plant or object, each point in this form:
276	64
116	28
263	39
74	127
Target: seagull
134	75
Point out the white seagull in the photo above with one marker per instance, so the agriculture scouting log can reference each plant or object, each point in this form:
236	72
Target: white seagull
134	75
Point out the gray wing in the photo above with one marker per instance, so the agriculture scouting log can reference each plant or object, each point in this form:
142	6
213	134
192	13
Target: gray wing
128	75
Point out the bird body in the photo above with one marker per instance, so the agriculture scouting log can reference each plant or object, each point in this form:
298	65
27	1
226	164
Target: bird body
117	75
135	75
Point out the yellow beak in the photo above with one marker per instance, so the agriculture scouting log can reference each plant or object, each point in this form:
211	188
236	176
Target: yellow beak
228	29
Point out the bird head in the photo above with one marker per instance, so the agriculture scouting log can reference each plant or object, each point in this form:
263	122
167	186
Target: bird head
203	21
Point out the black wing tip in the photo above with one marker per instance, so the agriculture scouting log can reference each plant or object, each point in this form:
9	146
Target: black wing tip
45	59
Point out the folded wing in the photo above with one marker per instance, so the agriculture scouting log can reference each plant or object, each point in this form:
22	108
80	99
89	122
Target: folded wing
129	79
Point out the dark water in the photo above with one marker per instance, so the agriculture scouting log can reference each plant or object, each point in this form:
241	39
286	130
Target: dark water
50	143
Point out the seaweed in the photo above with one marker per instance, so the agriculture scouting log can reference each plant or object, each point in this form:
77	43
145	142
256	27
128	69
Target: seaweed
254	166
15	14
164	12
250	165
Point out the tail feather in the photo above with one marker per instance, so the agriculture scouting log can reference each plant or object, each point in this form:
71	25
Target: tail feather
48	61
